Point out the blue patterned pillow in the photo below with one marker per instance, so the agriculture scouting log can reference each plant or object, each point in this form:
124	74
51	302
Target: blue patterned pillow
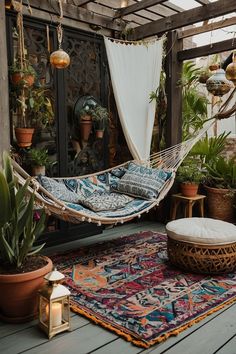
142	181
59	190
106	201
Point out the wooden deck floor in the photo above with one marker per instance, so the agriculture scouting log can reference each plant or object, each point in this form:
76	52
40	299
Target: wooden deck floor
215	334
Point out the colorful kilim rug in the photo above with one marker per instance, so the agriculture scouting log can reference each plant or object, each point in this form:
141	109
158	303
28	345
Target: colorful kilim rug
128	286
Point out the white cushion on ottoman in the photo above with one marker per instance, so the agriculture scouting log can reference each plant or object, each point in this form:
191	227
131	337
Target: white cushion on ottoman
202	231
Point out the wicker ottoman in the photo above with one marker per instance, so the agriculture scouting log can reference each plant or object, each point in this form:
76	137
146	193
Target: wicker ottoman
202	245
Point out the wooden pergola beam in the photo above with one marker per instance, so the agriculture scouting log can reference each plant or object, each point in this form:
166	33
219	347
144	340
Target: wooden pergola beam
74	12
203	2
207	28
136	7
78	2
205	50
185	18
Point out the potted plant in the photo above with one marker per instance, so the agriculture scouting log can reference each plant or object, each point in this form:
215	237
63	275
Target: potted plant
38	159
86	123
220	177
100	117
22	75
190	175
21	269
33	107
221	188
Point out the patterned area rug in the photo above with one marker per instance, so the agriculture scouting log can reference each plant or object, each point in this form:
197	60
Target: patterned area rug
128	286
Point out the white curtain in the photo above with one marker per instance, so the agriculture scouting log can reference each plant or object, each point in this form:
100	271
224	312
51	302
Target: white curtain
135	72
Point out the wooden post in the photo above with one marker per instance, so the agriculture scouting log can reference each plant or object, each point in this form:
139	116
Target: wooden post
4	99
173	89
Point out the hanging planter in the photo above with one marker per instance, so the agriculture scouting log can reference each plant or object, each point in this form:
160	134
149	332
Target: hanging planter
24	136
230	71
217	84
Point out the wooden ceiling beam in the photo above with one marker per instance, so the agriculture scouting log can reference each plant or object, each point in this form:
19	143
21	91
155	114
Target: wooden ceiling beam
206	50
203	2
75	13
79	2
136	7
207	28
185	18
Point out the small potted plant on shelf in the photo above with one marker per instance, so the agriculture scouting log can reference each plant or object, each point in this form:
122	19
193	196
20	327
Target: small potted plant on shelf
21	269
86	123
38	159
100	117
190	175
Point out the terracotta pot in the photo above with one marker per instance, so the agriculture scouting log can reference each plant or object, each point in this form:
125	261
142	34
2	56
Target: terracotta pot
85	129
18	295
24	136
21	78
220	204
99	134
38	170
189	189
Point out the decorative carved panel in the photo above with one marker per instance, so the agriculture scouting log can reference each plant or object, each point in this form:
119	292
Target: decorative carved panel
84	78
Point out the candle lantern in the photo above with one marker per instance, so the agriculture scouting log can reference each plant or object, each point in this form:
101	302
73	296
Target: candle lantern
54	305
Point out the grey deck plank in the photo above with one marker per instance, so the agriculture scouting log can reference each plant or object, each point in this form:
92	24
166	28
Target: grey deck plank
118	346
228	348
80	341
27	337
210	337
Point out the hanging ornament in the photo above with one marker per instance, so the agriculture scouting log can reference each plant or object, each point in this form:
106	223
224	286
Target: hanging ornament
230	71
217	84
59	59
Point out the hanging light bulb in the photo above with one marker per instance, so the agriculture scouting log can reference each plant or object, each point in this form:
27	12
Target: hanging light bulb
217	84
230	71
59	58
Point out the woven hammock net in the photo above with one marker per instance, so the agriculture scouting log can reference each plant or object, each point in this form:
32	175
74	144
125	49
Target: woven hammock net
168	159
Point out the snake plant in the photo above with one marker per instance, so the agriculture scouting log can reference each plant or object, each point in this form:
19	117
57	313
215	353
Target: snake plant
18	230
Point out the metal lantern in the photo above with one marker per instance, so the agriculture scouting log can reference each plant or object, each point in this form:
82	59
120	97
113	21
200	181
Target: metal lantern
217	84
54	305
60	59
230	71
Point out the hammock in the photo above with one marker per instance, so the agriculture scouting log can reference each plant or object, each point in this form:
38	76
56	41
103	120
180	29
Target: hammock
167	160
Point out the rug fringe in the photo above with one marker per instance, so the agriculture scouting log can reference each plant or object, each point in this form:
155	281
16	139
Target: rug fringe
159	339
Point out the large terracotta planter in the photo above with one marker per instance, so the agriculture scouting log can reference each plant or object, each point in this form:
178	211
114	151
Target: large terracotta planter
220	204
189	189
18	295
24	136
